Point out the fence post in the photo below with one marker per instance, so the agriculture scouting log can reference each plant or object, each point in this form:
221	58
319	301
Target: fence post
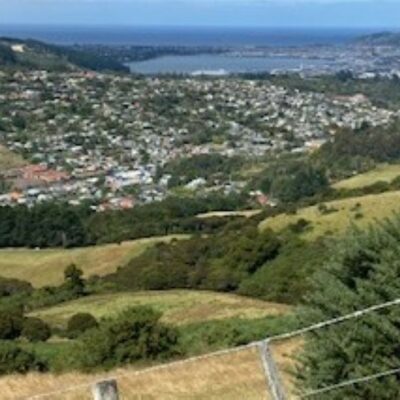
271	373
105	390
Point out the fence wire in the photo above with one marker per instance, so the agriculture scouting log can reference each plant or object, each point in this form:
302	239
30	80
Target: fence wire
67	393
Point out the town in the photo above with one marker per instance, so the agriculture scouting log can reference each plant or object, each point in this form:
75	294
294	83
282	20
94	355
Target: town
108	139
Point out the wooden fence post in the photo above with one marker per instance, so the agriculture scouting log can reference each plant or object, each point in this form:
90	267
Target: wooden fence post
106	390
275	385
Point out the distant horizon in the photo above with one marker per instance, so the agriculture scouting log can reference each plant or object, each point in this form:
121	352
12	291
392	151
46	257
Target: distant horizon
211	36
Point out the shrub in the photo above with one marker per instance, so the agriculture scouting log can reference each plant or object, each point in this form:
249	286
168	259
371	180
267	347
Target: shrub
80	323
9	287
35	330
10	325
14	359
300	226
136	334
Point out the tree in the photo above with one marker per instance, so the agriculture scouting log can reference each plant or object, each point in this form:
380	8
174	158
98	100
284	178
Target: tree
14	359
10	324
364	270
35	330
73	280
80	323
136	334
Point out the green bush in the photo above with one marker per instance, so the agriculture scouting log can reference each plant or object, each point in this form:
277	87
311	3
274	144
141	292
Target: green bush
10	325
80	323
35	330
14	359
136	334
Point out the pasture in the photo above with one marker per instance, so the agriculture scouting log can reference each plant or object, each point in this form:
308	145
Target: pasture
46	267
360	211
382	173
179	307
232	376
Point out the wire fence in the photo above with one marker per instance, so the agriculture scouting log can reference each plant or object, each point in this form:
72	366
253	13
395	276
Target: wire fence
249	370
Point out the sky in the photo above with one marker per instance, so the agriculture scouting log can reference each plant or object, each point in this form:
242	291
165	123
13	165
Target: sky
261	13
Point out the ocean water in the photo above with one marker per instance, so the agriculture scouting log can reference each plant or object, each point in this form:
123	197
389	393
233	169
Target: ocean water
162	36
214	64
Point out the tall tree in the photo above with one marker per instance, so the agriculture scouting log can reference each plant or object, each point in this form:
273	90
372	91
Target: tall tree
364	270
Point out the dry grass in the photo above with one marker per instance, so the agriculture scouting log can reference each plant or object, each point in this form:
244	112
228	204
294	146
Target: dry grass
178	306
233	376
9	160
221	214
372	208
46	267
383	172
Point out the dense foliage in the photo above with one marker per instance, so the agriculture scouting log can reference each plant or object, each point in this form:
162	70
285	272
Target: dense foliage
35	330
291	179
62	225
237	259
7	56
136	334
15	359
80	323
364	270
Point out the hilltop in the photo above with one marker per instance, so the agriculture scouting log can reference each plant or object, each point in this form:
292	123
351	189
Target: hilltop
34	54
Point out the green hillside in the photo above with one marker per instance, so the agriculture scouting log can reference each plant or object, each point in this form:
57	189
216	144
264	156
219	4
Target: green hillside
340	214
46	267
179	307
39	55
382	173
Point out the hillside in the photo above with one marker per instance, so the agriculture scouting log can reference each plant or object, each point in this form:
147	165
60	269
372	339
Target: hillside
340	214
39	55
179	307
233	376
380	39
46	267
382	173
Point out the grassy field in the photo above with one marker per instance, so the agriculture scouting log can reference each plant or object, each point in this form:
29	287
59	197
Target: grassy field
221	214
9	159
384	172
233	376
179	307
46	267
358	210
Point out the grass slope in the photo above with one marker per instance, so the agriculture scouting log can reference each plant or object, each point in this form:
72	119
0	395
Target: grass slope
372	208
383	172
9	160
233	376
223	214
46	267
179	307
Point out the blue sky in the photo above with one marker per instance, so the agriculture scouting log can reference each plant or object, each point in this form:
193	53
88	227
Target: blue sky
267	13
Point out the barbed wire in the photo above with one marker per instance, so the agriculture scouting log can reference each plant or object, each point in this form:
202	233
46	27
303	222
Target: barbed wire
280	337
351	382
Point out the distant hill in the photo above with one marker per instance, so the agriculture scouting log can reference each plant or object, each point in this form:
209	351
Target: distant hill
380	38
35	54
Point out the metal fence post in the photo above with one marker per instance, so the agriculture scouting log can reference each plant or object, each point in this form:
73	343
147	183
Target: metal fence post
271	372
105	390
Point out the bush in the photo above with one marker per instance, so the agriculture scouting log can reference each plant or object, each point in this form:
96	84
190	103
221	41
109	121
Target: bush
80	323
136	334
10	325
14	359
10	287
35	330
300	226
